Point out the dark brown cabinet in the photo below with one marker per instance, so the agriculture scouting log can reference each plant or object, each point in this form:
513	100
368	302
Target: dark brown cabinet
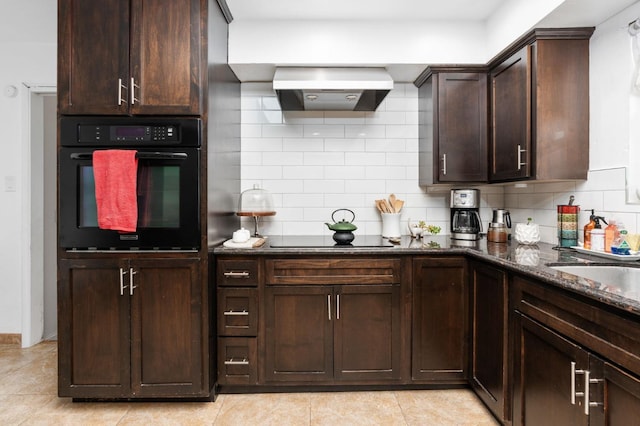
332	321
489	341
452	125
131	328
560	383
440	328
237	320
131	57
539	96
575	361
325	333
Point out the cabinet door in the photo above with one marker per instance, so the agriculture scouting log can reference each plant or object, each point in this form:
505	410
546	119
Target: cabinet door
93	55
614	395
462	127
166	56
440	320
367	332
511	118
489	337
299	333
167	328
93	329
542	376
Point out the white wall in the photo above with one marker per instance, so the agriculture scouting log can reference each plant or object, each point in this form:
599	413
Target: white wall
315	162
612	138
28	52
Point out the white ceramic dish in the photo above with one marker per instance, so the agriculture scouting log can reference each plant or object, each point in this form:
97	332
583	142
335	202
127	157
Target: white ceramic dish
625	257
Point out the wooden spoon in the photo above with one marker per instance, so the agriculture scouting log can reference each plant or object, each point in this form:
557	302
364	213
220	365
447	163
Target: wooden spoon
392	202
397	205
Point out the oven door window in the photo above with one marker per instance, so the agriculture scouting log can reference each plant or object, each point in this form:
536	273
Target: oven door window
158	194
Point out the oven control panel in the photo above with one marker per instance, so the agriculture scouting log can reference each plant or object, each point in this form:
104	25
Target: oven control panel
127	134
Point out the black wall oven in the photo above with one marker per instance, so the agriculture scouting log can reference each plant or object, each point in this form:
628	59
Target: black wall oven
167	187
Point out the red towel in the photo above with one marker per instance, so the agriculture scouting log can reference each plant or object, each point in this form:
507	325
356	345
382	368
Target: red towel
115	172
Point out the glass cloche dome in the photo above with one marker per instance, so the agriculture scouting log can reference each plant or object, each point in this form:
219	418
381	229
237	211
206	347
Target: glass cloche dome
256	202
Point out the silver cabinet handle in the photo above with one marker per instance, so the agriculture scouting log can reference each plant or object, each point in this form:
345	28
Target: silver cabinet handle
120	87
132	272
444	164
232	361
587	381
236	313
122	286
338	307
520	151
133	92
574	371
233	274
329	306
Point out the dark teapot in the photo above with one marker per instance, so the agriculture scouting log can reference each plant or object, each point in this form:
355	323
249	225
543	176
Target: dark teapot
343	230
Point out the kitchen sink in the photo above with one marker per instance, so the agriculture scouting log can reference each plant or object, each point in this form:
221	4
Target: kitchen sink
622	276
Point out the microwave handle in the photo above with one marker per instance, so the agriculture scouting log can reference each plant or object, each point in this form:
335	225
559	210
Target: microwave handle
139	155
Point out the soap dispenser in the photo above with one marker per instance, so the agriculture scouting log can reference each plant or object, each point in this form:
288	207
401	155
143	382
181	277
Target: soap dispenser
587	231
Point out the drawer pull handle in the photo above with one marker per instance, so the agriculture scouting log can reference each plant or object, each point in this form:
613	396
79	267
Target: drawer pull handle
233	274
234	362
236	313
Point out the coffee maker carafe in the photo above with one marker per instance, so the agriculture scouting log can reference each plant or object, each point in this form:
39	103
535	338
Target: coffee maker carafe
465	216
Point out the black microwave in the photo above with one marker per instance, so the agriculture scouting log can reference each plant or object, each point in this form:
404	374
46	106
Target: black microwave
167	189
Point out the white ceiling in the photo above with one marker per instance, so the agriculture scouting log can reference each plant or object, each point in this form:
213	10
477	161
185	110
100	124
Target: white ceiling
364	9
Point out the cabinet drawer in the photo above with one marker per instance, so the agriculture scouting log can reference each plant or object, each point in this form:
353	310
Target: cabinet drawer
237	360
332	271
237	311
238	273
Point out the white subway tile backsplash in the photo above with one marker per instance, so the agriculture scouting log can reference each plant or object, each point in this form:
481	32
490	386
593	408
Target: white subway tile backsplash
345	172
302	144
303	117
323	131
321	186
344	117
270	103
282	131
323	158
386	145
385	117
314	162
402	131
344	145
283	186
282	158
365	158
364	131
261	144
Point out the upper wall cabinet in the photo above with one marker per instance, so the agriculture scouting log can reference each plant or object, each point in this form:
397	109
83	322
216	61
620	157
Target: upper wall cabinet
453	125
130	57
539	94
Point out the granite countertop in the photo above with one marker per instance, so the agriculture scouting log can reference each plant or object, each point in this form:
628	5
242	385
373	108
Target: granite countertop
531	260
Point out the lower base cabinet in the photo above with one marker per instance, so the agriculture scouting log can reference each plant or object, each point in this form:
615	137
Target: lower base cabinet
131	328
440	330
489	337
557	382
348	333
576	361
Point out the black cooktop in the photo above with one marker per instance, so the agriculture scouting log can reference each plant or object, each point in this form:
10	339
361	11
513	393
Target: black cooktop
319	241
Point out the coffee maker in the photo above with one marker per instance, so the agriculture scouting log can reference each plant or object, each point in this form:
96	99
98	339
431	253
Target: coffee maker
465	214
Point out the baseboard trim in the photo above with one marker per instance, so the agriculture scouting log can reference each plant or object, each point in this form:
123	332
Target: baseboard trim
11	339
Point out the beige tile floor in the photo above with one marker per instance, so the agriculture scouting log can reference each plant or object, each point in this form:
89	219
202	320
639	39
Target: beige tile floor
28	396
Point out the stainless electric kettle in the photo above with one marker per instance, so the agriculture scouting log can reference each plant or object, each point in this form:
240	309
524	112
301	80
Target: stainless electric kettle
502	216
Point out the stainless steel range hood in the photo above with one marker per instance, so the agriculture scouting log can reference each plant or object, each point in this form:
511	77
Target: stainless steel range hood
331	89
